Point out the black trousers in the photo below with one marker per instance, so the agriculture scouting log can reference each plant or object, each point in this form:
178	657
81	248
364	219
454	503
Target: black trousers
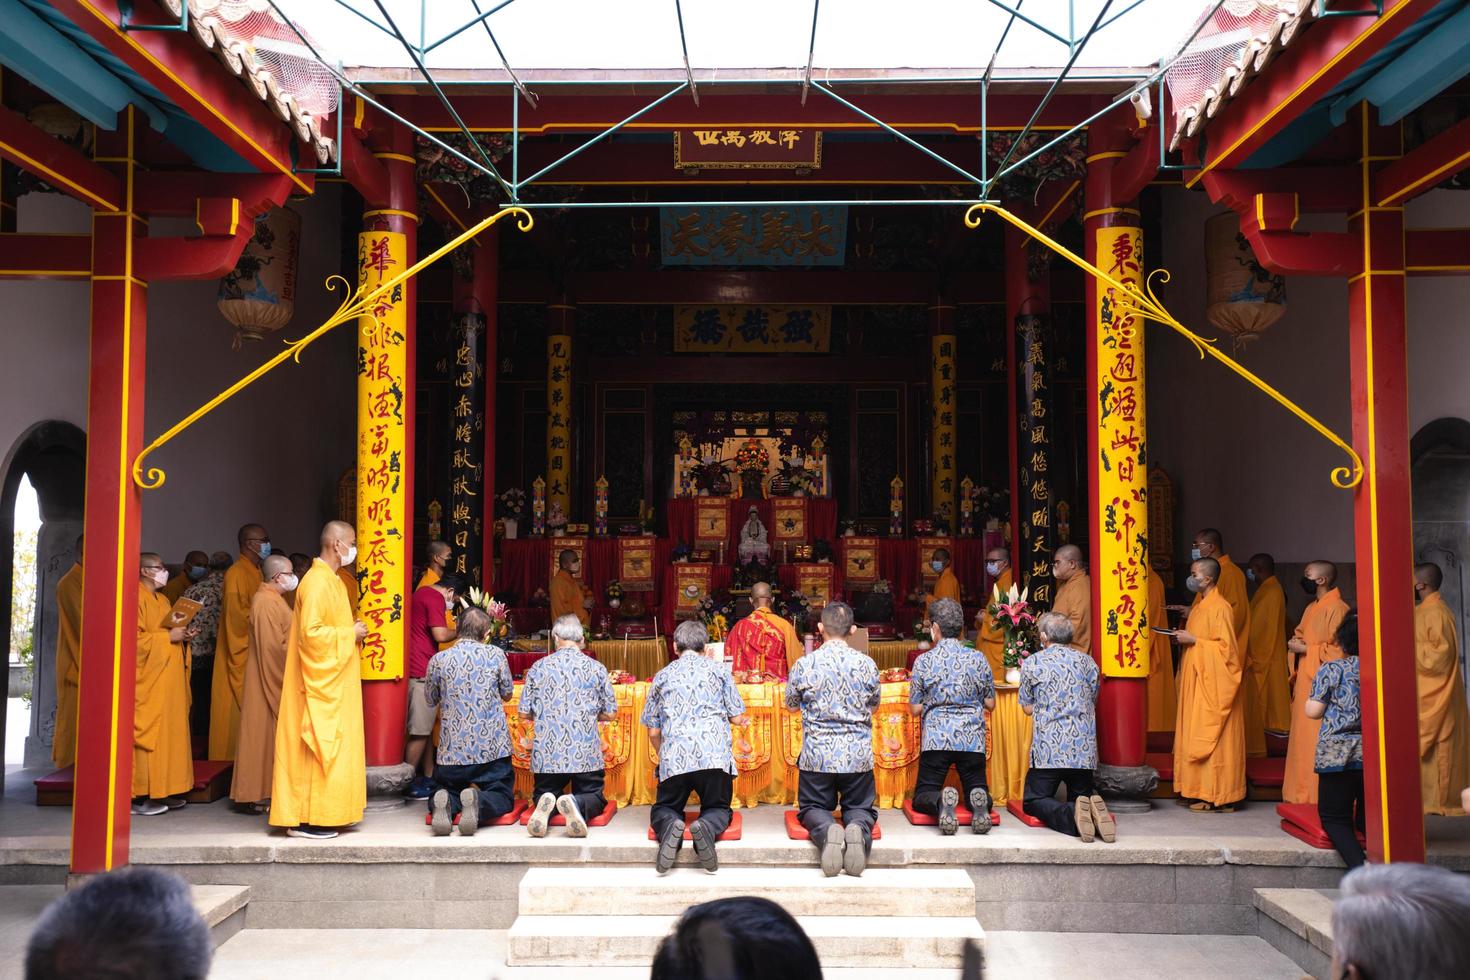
495	781
1340	808
934	768
586	789
714	787
818	793
1040	799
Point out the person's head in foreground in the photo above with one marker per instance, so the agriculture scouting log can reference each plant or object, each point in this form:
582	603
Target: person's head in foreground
1401	922
742	938
1054	629
134	923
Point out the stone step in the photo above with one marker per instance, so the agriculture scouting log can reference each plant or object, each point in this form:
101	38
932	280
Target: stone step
1298	922
933	942
625	890
222	907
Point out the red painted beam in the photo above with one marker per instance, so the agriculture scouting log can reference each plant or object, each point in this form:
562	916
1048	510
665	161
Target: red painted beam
363	171
1437	252
1266	217
172	192
62	166
45	256
174	63
227	224
1307	70
1424	167
1324	189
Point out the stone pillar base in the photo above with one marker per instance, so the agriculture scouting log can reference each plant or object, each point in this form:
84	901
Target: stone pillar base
1126	788
387	784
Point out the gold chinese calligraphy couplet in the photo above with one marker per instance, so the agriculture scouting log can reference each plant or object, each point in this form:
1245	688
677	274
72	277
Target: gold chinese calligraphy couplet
788	514
860	560
942	427
711	522
814	580
1122	471
1035	350
635	563
464	368
382	490
692	583
559	421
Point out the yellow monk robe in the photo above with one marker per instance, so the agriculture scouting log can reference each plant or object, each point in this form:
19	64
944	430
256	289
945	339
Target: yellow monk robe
1074	600
1231	587
175	588
1268	653
568	597
320	773
255	753
1318	630
992	638
1444	722
1162	707
349	582
230	646
68	665
764	641
162	762
947	586
1209	744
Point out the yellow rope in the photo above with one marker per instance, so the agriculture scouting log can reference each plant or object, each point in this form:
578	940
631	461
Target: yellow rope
1144	303
358	304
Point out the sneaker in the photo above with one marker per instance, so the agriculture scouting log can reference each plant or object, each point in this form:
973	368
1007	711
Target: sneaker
980	810
420	789
469	811
576	825
704	846
311	833
1082	812
148	808
1107	826
832	850
174	802
441	821
949	822
668	847
856	857
541	816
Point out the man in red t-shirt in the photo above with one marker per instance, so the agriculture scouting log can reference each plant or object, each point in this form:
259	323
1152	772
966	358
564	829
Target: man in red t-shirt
427	628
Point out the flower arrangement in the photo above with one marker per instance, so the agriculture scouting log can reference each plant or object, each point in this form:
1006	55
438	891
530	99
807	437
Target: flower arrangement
512	503
717	615
797	608
754	570
1013	613
712	477
994	504
796	479
752	456
882	587
614	593
498	612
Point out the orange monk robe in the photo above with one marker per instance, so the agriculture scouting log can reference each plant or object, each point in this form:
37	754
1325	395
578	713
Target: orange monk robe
255	753
68	665
230	647
947	586
1444	722
430	577
1231	586
175	587
568	597
764	641
320	774
349	581
992	637
1318	629
1074	600
162	761
1268	653
1209	742
1162	708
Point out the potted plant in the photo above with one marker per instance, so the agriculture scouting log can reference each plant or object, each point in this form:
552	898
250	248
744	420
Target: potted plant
512	507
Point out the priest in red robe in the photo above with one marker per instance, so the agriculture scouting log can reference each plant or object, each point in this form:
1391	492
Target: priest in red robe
764	640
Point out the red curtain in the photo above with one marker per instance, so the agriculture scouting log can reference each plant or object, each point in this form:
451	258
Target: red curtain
821	520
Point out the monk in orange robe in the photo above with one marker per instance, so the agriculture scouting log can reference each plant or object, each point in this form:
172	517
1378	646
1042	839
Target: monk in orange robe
1209	743
1268	643
1162	706
68	662
947	586
764	640
1074	594
270	629
194	568
568	596
438	554
233	640
1313	644
347	574
1209	543
991	637
1444	722
163	768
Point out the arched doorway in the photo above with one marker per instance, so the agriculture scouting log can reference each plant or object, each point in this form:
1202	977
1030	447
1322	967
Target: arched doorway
53	456
1441	487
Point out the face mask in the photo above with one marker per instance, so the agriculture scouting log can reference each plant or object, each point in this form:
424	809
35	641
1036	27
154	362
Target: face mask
1192	584
265	550
938	566
1250	574
1308	586
290	583
351	555
1195	554
159	576
992	568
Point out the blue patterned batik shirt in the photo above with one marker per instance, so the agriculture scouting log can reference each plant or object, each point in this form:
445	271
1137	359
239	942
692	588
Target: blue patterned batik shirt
1340	740
691	702
952	682
1060	685
836	688
468	682
564	694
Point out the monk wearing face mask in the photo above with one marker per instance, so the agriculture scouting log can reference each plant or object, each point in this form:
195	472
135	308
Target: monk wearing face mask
1313	644
265	663
992	638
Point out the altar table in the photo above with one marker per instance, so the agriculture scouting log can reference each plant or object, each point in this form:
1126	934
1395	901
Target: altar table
641	658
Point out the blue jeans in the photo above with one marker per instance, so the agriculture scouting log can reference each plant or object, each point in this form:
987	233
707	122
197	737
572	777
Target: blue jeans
495	781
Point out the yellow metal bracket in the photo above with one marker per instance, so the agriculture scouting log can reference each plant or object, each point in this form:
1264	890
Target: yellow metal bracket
1144	303
358	304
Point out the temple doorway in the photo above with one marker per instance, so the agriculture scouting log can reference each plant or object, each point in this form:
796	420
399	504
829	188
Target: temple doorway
1441	488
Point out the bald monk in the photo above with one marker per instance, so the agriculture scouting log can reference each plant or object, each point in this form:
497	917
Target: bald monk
300	565
764	640
1209	543
568	596
232	642
1162	704
270	629
1209	744
947	586
1268	643
991	637
194	568
1444	722
163	769
1074	594
68	662
1313	644
320	777
437	565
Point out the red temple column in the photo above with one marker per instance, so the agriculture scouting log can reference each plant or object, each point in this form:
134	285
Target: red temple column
101	812
1030	362
1381	503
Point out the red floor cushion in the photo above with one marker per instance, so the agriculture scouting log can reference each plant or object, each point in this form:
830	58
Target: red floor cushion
1300	820
504	820
732	832
924	820
796	831
557	820
1160	742
1014	806
1163	762
1268	771
211	781
1276	744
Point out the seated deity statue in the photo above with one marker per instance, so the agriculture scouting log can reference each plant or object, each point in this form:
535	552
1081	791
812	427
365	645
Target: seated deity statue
754	542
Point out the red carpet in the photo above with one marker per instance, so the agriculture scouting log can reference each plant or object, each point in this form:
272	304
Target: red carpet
732	832
504	820
924	820
557	820
796	831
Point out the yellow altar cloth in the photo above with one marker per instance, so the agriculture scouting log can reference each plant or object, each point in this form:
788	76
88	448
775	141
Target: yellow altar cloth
641	658
891	653
1009	755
